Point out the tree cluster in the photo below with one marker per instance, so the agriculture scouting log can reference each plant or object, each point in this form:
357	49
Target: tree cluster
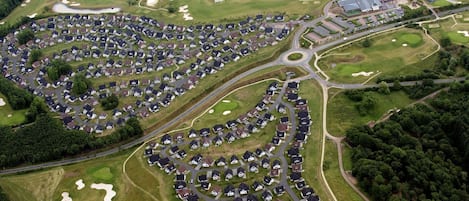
6	28
80	84
36	54
3	196
46	139
110	102
57	68
419	153
18	98
451	56
6	6
365	102
25	36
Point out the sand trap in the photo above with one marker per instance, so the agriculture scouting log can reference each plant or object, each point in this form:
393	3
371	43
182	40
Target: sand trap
80	184
9	115
2	102
226	101
107	187
454	2
186	15
226	112
62	8
152	2
366	74
32	15
65	1
25	3
393	40
465	33
435	25
2	23
404	45
75	4
66	196
211	111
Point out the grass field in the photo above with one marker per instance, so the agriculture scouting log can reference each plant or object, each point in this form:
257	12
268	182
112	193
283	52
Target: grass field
440	3
449	28
201	10
342	113
312	92
295	56
49	184
17	116
389	54
241	101
337	183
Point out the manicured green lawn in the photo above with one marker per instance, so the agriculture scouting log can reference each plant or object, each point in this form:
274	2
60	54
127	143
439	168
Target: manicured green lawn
448	28
295	56
10	117
456	37
389	54
225	105
311	91
440	3
337	183
342	114
103	173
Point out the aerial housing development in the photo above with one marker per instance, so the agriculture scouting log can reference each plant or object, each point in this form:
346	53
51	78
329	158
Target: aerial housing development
162	100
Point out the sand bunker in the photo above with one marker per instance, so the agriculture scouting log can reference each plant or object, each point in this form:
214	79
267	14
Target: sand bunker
435	25
107	187
393	40
66	196
2	102
226	112
80	184
32	15
2	23
25	3
186	15
211	111
75	4
62	8
152	2
226	101
366	74
404	45
9	115
65	1
465	33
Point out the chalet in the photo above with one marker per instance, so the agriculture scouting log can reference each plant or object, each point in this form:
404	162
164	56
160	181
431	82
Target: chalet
230	137
268	180
194	144
276	141
216	190
228	174
181	154
243	189
297	167
266	196
153	159
205	142
192	133
183	193
166	139
241	172
221	161
173	149
217	140
248	156
300	185
276	164
205	185
253	167
257	186
306	192
229	191
217	128
234	160
170	168
292	152
279	190
202	178
216	175
163	162
207	162
295	176
178	185
204	132
195	159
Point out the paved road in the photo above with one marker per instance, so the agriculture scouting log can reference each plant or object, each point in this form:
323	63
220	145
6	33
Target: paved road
221	89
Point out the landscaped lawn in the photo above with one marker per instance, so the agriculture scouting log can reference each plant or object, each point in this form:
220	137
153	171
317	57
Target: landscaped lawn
337	183
342	114
10	117
456	37
49	184
295	56
449	29
440	3
390	54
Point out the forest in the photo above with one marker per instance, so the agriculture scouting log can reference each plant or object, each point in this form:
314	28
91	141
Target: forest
17	97
46	139
420	153
6	6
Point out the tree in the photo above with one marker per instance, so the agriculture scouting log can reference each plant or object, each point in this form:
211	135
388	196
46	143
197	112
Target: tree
58	68
110	102
25	36
35	55
384	88
80	84
365	106
396	86
445	41
366	43
38	106
464	59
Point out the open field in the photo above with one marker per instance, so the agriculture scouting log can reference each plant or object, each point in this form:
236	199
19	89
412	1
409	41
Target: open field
49	184
238	103
450	27
390	54
342	113
200	10
10	117
311	91
337	183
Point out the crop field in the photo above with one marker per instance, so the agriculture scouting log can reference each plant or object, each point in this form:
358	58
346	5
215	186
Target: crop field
10	117
342	113
389	54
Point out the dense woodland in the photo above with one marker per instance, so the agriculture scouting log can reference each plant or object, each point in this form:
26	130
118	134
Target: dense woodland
17	98
6	6
421	153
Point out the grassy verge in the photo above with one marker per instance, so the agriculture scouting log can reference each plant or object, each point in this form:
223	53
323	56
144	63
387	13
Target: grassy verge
337	183
342	113
311	91
10	117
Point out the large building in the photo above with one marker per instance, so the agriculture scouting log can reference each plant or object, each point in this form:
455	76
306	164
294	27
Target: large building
351	6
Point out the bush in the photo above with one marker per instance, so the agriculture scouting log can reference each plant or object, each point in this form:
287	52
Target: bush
36	54
110	102
58	68
366	43
25	36
80	84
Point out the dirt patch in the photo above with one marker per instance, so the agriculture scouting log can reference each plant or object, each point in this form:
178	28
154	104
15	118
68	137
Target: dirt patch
71	174
354	59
